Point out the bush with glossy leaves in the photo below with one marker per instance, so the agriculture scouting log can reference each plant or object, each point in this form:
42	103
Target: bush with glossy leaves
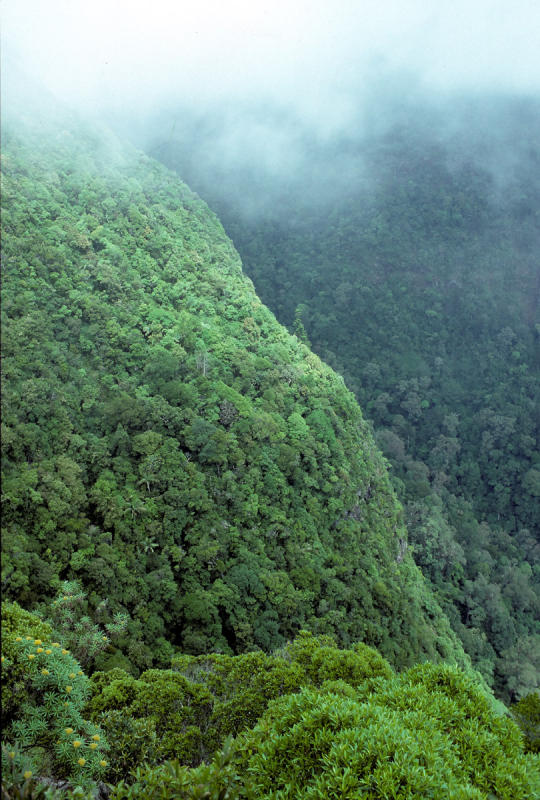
426	733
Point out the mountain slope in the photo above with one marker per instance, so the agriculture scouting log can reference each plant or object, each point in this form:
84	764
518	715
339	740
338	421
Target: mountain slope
406	249
166	441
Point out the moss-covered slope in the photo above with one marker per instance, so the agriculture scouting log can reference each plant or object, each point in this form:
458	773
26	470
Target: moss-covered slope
166	441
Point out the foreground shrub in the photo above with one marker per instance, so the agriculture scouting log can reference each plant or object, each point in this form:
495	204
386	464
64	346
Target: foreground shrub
427	733
188	712
218	780
322	660
45	733
161	715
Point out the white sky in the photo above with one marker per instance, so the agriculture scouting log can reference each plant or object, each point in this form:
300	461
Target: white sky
138	53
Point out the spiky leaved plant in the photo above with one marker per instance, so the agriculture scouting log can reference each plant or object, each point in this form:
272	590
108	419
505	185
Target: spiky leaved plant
45	733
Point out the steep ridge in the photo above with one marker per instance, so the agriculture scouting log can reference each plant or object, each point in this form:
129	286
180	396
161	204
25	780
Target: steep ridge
166	441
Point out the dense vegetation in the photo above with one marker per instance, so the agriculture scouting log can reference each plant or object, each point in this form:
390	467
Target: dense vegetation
310	720
187	490
167	442
406	251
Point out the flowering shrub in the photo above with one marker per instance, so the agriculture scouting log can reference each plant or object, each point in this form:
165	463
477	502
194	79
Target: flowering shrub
47	734
15	620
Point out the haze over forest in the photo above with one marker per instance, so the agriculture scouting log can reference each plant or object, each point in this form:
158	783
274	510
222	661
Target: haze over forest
184	467
277	74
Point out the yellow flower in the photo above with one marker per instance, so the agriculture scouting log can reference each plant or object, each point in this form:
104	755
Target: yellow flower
27	774
31	656
95	737
68	689
65	652
28	638
68	730
18	638
104	638
77	743
72	675
37	641
81	761
48	652
80	672
3	659
93	746
39	650
102	763
44	671
55	644
11	754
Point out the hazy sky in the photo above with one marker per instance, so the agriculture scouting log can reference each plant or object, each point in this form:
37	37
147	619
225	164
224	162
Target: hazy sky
134	54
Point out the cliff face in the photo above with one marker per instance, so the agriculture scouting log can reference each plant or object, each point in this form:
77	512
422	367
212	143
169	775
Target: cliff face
166	441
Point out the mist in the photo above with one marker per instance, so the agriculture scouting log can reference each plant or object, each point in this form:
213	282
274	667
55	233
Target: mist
268	96
133	57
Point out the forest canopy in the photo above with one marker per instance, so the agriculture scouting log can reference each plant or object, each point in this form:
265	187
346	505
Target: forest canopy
166	442
209	588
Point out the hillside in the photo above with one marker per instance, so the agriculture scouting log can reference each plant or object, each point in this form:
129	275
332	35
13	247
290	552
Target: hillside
405	250
166	441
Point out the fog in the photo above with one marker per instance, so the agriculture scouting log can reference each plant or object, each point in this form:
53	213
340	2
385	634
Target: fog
283	88
136	56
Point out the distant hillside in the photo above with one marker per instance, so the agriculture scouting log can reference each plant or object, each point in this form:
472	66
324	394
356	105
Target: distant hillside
166	441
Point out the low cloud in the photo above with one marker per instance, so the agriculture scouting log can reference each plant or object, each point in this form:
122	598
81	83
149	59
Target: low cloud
284	90
318	57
